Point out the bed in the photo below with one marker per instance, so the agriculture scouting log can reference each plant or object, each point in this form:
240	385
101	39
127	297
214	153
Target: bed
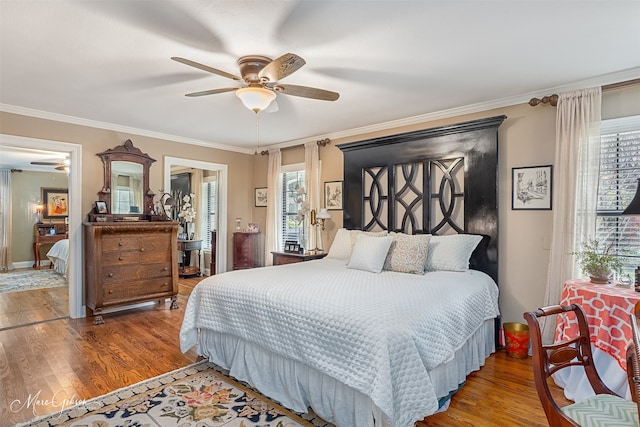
59	255
365	337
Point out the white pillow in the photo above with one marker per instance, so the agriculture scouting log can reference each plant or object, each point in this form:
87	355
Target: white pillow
408	254
356	233
369	253
345	240
341	246
451	252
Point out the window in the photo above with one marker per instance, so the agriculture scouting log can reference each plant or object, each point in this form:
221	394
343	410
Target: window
619	173
210	205
292	179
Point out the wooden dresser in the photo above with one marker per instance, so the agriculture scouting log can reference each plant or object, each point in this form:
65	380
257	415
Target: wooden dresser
247	250
47	234
281	258
129	262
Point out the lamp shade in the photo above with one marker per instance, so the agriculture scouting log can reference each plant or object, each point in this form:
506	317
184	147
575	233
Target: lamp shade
323	214
255	98
634	206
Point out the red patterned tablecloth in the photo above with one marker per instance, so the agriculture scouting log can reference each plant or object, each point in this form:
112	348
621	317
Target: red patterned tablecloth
607	308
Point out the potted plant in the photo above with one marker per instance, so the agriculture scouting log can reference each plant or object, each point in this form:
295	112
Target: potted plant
596	260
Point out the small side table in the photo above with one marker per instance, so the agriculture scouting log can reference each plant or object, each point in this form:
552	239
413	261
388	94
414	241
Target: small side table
186	246
280	258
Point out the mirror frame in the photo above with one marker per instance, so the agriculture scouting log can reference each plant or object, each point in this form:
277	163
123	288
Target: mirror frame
128	153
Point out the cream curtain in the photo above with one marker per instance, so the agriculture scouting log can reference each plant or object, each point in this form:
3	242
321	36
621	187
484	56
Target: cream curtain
577	166
196	189
5	219
312	185
274	206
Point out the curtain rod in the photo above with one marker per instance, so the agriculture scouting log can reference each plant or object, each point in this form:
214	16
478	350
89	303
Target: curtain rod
320	142
553	99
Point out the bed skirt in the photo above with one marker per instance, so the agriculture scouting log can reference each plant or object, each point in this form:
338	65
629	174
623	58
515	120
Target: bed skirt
298	386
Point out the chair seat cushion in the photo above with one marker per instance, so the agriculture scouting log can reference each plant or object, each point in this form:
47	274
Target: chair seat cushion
603	410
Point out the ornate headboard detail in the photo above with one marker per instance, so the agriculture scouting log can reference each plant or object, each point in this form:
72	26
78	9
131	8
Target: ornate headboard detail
441	181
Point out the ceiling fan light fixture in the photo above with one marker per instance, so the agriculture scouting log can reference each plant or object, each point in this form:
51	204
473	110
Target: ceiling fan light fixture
256	98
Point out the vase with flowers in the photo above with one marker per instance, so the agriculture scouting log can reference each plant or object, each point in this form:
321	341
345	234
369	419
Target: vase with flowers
597	261
187	213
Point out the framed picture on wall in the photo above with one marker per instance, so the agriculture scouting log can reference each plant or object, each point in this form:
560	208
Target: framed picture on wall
261	197
56	203
333	195
531	188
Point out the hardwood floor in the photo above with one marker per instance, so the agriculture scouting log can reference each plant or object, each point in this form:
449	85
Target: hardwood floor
46	365
38	305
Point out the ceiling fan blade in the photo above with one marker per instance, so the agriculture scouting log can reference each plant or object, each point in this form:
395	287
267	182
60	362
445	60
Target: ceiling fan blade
281	67
48	163
205	68
307	92
212	91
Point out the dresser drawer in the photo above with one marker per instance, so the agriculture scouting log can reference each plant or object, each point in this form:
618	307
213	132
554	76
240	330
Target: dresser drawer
135	257
118	292
134	242
130	272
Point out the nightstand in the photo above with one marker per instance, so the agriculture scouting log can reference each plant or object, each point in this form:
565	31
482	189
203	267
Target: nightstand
280	258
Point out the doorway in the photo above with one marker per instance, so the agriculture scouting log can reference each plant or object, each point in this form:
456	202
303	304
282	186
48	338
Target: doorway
220	170
74	153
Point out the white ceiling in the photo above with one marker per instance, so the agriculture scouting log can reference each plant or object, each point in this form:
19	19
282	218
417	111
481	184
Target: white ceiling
107	63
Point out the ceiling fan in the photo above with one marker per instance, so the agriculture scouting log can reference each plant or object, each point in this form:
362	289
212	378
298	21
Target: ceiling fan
260	76
59	165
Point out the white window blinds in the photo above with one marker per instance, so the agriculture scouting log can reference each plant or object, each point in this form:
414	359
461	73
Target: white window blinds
619	173
290	228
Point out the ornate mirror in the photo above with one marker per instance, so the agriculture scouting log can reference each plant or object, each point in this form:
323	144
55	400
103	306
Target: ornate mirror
126	181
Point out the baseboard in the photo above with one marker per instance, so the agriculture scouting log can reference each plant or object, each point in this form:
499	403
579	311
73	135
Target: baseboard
29	264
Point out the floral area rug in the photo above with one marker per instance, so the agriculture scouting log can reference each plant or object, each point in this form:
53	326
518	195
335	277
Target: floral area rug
27	280
200	395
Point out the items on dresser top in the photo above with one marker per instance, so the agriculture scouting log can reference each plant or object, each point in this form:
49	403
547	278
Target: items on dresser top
128	263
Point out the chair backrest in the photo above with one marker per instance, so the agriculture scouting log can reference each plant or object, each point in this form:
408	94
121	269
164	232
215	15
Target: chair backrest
633	358
550	358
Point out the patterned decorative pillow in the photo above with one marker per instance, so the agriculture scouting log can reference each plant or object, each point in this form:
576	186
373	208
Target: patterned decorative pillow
408	254
451	252
369	253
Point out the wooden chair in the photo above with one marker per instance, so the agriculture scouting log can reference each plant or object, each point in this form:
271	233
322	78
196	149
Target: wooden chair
633	357
605	408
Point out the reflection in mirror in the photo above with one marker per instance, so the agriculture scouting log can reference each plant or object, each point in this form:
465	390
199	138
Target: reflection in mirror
126	184
127	193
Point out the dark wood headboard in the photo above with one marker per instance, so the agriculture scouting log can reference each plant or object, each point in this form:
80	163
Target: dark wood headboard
440	181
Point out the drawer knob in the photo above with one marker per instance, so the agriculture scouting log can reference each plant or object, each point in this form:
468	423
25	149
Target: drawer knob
110	291
165	269
119	243
141	249
120	258
110	275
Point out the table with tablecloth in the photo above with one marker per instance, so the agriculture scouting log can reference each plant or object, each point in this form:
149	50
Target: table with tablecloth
607	307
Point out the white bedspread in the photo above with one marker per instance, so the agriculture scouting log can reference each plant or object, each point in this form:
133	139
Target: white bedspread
377	333
59	254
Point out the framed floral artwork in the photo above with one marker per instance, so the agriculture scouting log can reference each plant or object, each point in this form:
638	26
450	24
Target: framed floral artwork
56	203
333	195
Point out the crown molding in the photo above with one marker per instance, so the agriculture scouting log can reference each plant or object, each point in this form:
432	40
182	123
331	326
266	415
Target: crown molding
622	76
117	128
602	80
